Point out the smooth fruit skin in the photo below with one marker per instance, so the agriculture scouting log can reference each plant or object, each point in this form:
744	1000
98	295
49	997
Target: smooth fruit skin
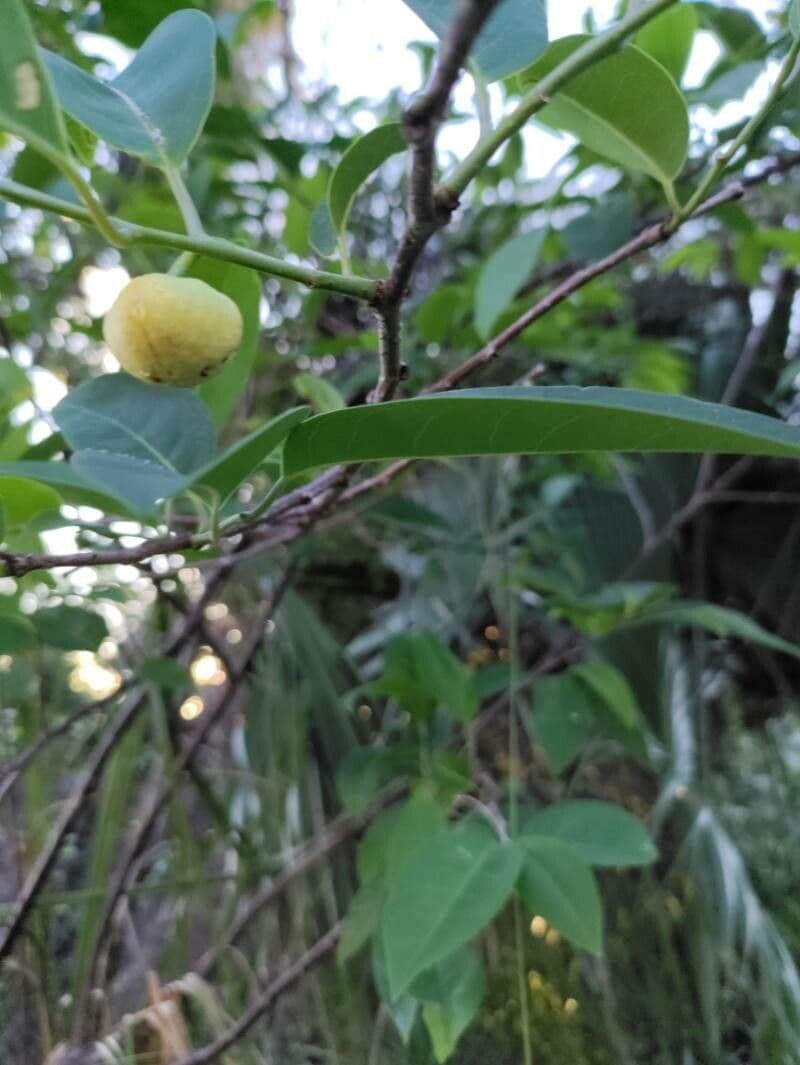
172	330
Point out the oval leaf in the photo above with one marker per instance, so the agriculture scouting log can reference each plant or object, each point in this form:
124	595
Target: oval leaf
626	107
669	37
361	159
543	420
28	105
158	105
600	833
557	884
167	426
440	900
514	35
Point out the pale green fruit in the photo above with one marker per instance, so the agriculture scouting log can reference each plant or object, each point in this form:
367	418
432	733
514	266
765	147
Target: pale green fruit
172	330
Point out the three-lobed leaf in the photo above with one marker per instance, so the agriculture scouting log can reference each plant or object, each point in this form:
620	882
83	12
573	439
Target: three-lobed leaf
626	107
542	420
512	37
158	105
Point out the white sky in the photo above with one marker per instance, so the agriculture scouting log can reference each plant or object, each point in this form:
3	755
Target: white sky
361	47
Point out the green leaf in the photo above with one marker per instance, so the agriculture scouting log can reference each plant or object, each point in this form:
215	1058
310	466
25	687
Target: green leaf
502	275
736	29
361	159
321	231
441	898
611	686
168	674
70	484
359	923
557	884
602	229
27	103
511	39
419	818
70	628
321	394
542	420
563	717
794	17
243	286
669	37
167	426
16	635
599	832
721	621
224	474
420	672
23	499
626	107
452	993
140	482
158	105
359	777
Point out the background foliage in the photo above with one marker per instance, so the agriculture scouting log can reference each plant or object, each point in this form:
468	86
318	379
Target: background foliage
487	758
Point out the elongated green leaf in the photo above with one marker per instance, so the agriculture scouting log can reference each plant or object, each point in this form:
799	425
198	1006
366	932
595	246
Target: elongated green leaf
68	482
167	426
452	993
140	482
611	686
794	17
321	231
557	884
600	833
626	107
23	499
545	420
321	394
441	898
27	103
224	474
361	159
720	620
669	37
244	288
511	39
502	275
158	105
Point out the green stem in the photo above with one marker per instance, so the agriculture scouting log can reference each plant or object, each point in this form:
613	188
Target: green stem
191	218
724	157
539	96
522	984
363	288
182	263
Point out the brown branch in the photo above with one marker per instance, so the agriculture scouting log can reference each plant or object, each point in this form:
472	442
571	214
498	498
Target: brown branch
426	214
255	1012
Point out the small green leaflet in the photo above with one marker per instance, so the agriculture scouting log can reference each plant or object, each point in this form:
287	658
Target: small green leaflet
361	159
626	107
512	37
502	275
557	884
27	103
542	420
158	105
794	17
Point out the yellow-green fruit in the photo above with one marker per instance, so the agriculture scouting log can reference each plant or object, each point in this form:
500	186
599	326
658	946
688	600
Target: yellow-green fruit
172	330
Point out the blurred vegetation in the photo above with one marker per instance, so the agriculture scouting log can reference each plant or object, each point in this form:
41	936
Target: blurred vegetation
522	568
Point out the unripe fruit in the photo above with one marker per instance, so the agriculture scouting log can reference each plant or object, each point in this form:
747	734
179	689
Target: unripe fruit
172	330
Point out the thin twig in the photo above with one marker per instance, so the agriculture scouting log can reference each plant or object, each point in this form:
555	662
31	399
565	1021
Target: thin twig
421	123
255	1012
